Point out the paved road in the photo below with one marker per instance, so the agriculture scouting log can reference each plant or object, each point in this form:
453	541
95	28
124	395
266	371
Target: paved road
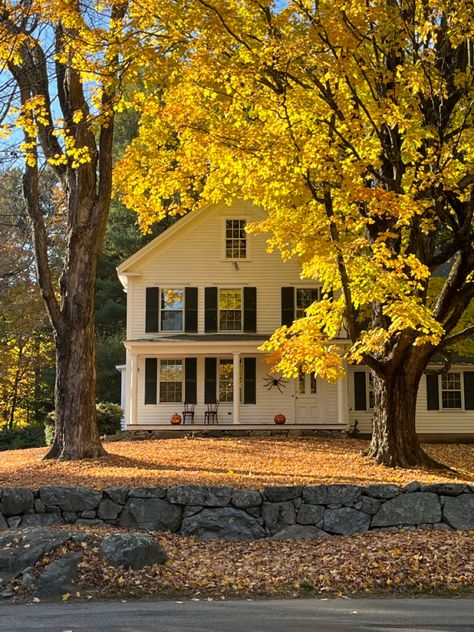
311	615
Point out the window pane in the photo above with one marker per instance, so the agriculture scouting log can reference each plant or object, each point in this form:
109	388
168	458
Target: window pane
172	299
171	321
230	309
313	383
304	298
451	390
235	239
230	320
301	383
226	381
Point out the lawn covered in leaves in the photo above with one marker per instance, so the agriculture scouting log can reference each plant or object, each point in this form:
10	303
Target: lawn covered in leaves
251	462
414	562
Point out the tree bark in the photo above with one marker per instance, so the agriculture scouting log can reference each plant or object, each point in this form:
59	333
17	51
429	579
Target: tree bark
394	439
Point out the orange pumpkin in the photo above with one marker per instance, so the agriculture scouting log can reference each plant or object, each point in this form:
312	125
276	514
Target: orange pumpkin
175	419
279	419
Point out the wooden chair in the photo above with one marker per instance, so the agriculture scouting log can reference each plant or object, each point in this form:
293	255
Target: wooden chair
210	415
188	412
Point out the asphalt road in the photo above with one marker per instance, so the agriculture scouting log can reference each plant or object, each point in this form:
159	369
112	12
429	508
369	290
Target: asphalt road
308	615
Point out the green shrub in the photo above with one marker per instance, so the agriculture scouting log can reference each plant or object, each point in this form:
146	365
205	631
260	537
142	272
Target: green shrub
108	420
22	437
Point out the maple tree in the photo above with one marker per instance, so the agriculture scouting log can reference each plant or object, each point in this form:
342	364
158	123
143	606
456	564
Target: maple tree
61	64
351	124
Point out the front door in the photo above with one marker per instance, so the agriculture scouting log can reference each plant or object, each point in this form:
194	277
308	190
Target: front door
307	399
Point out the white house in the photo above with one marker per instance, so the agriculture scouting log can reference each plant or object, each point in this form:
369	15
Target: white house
201	299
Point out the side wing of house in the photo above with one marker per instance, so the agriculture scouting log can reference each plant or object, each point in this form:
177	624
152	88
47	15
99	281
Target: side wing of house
203	297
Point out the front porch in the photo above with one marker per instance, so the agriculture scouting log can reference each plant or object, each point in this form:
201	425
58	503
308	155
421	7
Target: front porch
233	371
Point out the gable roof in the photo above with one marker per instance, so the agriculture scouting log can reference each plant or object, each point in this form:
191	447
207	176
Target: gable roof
124	267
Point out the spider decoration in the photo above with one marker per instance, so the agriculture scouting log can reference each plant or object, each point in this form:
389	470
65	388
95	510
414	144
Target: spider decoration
272	381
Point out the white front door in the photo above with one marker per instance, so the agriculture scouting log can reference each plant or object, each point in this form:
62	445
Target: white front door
308	400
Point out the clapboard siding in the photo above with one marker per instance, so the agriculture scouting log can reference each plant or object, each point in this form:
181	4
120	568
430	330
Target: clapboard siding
194	256
427	421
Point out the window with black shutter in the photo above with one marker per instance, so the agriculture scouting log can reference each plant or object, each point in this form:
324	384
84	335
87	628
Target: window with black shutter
432	392
468	390
250	381
152	309
360	390
210	380
151	385
191	309
250	309
287	305
190	380
210	309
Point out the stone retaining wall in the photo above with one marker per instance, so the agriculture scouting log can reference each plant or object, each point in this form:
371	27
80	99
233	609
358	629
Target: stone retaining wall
238	514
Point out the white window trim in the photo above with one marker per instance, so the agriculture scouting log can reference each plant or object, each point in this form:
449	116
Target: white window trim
223	239
440	390
230	331
160	360
167	331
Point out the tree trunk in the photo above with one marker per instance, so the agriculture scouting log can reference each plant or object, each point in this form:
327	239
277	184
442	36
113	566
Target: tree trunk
394	439
76	435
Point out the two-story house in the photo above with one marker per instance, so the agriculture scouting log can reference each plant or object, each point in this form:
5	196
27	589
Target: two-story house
202	298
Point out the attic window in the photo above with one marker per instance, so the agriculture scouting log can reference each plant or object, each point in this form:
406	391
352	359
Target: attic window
235	239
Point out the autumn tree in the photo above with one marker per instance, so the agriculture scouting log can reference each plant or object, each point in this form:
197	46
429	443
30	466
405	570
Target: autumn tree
351	124
61	64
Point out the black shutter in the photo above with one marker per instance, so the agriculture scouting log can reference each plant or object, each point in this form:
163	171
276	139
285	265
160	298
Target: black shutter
250	309
190	371
151	372
210	380
210	309
191	309
432	392
151	309
360	392
250	382
287	305
469	390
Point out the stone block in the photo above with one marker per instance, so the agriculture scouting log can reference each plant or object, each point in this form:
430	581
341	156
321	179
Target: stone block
458	511
154	514
278	515
244	498
408	509
282	493
16	500
310	514
345	521
71	498
226	523
200	495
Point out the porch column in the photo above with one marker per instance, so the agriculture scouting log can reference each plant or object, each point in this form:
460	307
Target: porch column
133	388
342	401
236	386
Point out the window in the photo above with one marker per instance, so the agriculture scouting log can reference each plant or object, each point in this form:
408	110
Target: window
230	309
171	381
171	309
451	391
226	381
304	298
305	388
235	239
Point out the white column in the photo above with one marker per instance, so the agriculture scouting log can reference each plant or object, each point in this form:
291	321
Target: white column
342	401
236	385
133	389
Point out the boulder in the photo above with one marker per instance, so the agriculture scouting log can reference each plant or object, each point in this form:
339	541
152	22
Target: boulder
300	532
225	523
245	498
278	515
154	514
406	509
370	505
384	492
414	486
458	511
3	523
14	522
310	514
331	494
446	489
108	510
71	498
16	500
56	578
147	492
119	495
132	550
200	495
42	520
22	548
345	521
282	493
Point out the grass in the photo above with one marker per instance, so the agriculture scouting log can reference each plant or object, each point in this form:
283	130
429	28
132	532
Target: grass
242	462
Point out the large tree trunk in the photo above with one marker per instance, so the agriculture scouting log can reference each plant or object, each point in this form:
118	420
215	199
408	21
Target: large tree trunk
76	434
394	439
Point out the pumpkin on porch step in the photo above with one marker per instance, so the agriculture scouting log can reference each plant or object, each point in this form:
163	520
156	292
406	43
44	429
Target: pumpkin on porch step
175	419
279	419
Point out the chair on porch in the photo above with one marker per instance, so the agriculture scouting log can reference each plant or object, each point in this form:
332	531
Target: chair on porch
210	415
188	412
